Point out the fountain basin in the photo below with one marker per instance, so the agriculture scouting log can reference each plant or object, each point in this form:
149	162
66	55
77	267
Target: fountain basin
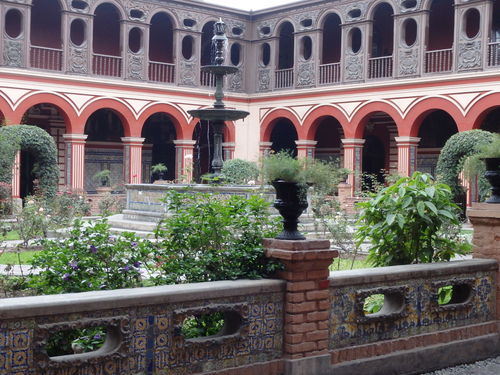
218	114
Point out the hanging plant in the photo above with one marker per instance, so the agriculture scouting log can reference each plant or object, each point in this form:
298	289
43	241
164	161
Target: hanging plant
39	143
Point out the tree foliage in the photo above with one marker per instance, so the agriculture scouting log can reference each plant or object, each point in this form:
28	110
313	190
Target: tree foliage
239	172
412	221
36	141
458	147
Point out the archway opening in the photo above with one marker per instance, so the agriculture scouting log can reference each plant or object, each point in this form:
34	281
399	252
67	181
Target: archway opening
383	29
286	46
104	149
45	34
379	151
159	133
49	118
332	39
439	54
107	41
283	137
203	149
491	122
328	137
436	128
161	49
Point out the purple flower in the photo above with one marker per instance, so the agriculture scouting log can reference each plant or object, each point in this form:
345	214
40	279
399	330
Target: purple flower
93	249
73	264
126	268
134	244
137	264
97	337
66	277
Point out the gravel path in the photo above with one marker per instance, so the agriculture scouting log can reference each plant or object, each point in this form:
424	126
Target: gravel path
487	367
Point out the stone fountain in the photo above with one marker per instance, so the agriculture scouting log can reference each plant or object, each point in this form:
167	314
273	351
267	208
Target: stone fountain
218	114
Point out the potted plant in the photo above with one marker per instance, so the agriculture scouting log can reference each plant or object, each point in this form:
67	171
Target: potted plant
487	161
159	169
103	177
291	179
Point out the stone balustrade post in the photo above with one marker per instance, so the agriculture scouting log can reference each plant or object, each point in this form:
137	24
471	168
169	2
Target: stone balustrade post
485	219
307	303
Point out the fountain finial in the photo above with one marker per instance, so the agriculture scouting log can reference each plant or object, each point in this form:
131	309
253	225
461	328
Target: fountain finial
219	40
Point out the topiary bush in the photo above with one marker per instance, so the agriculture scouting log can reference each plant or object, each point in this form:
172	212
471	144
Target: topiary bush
36	141
239	171
453	155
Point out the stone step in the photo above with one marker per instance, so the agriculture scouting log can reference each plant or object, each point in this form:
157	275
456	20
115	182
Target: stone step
120	222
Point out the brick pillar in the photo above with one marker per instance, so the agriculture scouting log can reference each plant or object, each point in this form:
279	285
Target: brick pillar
75	161
132	159
228	150
184	159
306	149
307	303
485	218
353	153
407	155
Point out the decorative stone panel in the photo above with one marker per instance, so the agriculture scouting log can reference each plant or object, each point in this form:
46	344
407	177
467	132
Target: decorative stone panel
13	53
305	74
264	80
408	61
188	74
469	55
354	67
78	60
135	66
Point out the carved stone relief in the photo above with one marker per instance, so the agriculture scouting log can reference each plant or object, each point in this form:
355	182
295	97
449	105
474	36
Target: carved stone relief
348	8
182	15
313	15
271	24
404	9
264	77
188	73
13	53
135	5
236	81
78	10
354	67
408	62
135	66
78	62
231	24
469	55
305	75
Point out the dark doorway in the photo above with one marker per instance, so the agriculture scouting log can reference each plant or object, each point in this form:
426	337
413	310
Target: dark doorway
27	174
284	136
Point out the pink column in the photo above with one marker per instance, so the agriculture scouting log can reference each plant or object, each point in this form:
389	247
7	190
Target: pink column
407	155
306	149
132	159
353	153
265	148
16	176
228	150
75	161
184	159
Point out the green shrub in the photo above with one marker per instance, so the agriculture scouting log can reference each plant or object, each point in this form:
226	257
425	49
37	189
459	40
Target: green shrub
412	221
39	143
209	237
452	157
239	172
89	259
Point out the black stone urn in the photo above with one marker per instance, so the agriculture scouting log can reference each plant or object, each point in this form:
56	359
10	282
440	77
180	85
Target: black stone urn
492	174
291	201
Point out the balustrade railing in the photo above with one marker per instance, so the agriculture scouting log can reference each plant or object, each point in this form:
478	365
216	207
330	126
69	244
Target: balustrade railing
439	61
161	72
207	79
283	78
329	73
494	54
104	65
46	58
380	67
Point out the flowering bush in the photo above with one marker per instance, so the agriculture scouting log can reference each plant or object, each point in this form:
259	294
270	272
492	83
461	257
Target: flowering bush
208	238
91	258
5	199
66	206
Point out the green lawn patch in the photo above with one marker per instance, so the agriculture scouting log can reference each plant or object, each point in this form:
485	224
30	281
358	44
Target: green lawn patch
342	264
11	257
12	235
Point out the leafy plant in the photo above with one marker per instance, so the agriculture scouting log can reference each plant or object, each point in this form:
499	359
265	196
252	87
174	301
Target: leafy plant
34	220
89	259
322	175
202	325
103	177
412	221
452	157
111	204
5	199
239	172
209	237
159	168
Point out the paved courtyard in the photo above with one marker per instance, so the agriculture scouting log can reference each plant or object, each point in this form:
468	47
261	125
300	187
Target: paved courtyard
487	367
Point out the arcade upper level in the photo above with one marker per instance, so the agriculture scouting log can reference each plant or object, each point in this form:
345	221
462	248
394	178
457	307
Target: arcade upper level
301	45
